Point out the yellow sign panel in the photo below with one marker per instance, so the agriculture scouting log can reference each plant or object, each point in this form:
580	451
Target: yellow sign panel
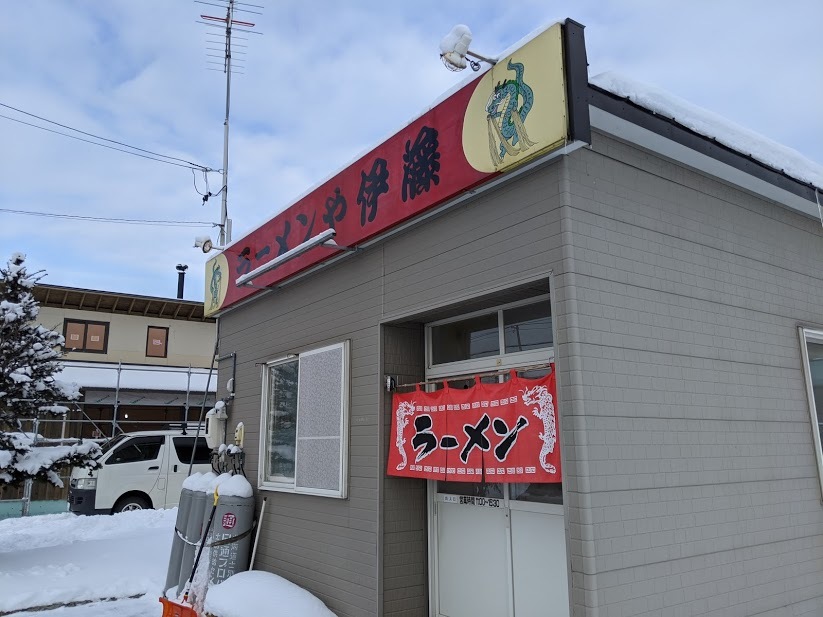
217	283
518	109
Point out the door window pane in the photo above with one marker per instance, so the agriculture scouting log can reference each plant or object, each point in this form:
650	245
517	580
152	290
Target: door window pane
472	489
472	338
528	327
282	420
538	492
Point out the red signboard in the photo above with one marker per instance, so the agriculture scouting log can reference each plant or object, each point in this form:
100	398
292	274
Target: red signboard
421	166
505	117
488	433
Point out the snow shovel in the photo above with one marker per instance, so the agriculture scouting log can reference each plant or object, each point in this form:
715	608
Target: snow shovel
202	544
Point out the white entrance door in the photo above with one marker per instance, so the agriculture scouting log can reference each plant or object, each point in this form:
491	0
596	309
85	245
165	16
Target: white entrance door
498	550
472	551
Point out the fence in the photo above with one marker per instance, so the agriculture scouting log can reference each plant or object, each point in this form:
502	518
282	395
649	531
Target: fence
104	413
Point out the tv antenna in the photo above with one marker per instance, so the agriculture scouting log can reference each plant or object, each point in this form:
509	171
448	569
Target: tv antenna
228	65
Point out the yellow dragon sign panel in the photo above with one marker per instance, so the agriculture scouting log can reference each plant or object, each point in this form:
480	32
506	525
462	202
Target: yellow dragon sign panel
518	109
217	283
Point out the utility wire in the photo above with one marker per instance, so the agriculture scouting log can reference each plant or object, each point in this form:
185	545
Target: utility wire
101	219
188	164
88	141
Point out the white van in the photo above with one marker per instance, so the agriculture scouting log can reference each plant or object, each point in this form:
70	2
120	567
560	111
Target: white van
140	470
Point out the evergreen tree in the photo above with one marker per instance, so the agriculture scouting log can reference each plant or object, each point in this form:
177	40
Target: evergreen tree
29	361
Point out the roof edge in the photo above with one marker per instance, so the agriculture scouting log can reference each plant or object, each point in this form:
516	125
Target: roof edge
670	129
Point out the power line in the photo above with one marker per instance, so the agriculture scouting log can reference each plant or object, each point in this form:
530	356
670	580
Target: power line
101	219
187	164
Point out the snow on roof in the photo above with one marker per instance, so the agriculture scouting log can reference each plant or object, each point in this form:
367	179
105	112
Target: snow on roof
713	126
132	377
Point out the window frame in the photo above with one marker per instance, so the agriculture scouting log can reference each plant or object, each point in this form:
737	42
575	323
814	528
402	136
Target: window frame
85	323
290	485
275	483
813	335
500	361
165	343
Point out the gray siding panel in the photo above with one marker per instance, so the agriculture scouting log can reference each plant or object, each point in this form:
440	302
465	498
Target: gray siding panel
507	235
328	546
404	523
690	460
477	248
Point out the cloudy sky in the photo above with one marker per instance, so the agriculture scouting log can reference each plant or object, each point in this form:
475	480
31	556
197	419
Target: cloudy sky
326	80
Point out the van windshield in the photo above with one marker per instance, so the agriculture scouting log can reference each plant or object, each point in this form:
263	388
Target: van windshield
113	442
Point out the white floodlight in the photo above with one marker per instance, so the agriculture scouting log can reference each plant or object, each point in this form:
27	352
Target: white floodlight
454	47
324	238
206	244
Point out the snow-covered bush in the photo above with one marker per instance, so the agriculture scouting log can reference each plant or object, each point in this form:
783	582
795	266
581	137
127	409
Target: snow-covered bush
29	361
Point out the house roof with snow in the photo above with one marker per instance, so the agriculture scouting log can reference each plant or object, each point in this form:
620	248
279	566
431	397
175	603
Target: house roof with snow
664	123
57	296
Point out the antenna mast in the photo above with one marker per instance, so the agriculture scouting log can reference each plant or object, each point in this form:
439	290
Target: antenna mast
230	22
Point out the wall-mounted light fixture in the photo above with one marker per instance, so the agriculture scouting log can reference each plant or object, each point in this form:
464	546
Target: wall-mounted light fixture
455	47
205	244
325	238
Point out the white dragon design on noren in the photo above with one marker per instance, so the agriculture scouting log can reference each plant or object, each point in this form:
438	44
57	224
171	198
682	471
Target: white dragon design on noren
404	410
539	396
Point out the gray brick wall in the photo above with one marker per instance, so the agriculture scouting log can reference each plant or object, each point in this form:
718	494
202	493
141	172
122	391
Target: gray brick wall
692	477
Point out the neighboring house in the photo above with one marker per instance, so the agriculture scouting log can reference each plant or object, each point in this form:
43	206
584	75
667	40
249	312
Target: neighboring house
137	359
141	362
668	263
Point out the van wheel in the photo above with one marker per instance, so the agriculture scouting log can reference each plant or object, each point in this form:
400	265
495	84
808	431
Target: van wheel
129	503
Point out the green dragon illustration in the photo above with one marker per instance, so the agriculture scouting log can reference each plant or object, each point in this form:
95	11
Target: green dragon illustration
214	286
506	115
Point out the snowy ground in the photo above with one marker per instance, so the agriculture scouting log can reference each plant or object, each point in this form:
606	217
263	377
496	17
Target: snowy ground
62	558
62	565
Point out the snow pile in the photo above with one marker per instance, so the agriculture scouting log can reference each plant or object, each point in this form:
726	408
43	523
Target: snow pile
255	593
209	487
21	534
231	449
235	486
713	126
197	482
458	40
64	558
